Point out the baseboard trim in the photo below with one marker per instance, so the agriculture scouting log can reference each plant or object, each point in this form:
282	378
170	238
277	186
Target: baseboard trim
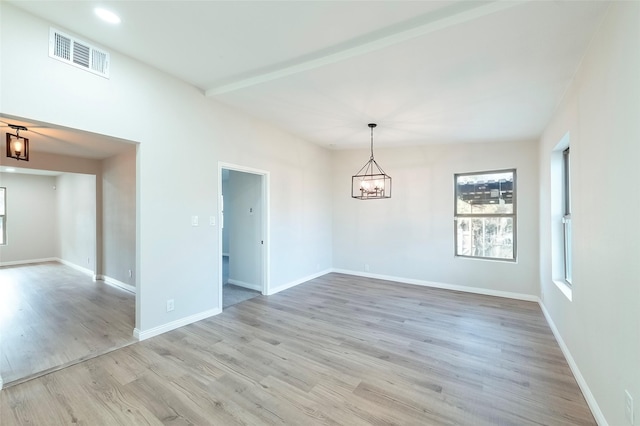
1	383
582	383
29	261
250	286
454	287
155	331
115	283
78	268
286	286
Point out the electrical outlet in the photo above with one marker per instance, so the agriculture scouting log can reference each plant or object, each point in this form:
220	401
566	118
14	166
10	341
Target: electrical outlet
366	267
170	305
628	406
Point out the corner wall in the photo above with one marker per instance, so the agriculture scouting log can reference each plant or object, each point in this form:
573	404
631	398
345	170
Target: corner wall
119	218
410	237
600	327
77	227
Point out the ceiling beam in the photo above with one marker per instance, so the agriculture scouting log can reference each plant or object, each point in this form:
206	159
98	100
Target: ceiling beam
458	13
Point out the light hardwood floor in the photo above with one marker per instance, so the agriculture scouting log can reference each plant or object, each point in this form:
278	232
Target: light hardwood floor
335	350
52	316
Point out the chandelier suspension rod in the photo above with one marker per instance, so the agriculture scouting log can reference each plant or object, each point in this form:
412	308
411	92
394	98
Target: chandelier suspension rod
372	126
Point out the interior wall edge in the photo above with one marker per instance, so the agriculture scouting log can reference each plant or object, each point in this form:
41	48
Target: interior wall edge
582	383
181	322
29	261
299	281
114	282
444	286
78	268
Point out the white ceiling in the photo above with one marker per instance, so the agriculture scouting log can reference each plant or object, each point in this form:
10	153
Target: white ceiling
425	71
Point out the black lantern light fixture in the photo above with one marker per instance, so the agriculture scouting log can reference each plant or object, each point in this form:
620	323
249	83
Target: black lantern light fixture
371	182
17	146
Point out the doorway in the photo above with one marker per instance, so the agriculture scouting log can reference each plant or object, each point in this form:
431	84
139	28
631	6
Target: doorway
55	309
69	264
243	218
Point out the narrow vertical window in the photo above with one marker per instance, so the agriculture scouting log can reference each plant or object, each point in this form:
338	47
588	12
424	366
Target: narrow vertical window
566	218
3	216
485	215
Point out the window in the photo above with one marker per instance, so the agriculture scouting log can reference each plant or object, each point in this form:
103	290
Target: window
566	214
485	215
3	216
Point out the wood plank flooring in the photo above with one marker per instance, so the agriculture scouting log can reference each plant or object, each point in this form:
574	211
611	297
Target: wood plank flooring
337	350
52	316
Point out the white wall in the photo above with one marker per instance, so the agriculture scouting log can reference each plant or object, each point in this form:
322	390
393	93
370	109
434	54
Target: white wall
141	104
410	236
243	207
31	218
77	228
119	217
601	110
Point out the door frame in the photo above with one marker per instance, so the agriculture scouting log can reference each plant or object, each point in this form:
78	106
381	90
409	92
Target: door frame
265	176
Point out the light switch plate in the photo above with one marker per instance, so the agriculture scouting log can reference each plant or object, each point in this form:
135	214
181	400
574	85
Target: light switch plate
194	220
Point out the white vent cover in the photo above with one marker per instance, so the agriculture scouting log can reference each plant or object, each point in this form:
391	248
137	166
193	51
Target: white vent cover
78	53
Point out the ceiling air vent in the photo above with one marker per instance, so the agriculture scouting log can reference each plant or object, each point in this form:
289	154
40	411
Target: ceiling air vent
78	53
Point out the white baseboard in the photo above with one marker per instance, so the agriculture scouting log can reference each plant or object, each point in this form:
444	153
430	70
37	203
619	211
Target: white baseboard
282	287
250	286
145	334
454	287
29	261
582	383
112	281
78	268
1	382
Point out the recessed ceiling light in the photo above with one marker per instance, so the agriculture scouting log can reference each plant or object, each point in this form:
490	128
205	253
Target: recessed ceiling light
9	169
107	15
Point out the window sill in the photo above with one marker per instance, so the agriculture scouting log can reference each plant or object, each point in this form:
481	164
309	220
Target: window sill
490	259
565	289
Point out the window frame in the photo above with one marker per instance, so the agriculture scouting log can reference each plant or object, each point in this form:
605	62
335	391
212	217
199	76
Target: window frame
513	216
3	217
566	215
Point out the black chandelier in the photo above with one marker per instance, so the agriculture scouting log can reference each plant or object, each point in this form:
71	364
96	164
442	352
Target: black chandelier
371	182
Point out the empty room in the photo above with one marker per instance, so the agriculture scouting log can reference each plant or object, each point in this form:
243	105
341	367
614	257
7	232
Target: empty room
431	231
68	253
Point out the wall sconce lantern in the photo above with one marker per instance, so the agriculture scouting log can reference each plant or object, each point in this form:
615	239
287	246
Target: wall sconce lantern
371	182
17	146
